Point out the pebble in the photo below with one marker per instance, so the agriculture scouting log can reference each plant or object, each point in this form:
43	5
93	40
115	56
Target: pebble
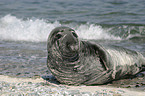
45	89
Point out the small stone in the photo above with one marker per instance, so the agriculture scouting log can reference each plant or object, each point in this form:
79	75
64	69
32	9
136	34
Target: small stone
142	83
122	83
128	86
137	85
1	88
104	90
86	94
13	87
100	93
72	92
26	72
53	86
104	94
111	91
116	94
18	74
42	83
19	84
36	76
29	82
32	94
62	86
121	91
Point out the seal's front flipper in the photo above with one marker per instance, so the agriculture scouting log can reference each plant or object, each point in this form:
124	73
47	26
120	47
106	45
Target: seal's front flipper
101	78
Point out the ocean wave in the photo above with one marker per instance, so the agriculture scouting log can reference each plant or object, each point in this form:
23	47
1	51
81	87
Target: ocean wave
37	30
92	31
12	28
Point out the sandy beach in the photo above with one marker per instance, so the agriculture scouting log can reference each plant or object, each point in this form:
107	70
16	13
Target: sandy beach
40	87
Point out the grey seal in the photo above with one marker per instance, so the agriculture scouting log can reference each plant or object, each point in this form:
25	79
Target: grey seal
74	61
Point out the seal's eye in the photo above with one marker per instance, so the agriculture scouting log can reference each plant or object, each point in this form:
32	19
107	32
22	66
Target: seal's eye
61	30
58	36
75	35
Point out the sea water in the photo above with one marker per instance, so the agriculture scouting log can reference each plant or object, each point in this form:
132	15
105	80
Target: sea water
26	24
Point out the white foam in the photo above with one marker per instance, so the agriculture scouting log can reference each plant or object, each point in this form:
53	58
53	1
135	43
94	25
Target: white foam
91	31
37	30
12	28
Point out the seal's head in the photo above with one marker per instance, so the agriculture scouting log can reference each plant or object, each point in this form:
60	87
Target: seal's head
65	39
64	55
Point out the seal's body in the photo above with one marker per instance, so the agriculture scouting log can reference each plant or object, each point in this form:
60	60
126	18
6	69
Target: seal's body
73	61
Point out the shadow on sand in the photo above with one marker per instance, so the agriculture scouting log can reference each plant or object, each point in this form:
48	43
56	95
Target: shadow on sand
137	82
51	79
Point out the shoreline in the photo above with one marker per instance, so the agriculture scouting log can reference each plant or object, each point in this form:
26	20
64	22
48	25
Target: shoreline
38	86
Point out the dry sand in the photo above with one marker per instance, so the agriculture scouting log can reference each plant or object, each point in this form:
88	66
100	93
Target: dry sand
82	88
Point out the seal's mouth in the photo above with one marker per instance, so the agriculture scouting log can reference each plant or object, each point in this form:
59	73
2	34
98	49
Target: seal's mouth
70	47
74	47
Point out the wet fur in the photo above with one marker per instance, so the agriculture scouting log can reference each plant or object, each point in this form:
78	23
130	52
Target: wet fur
76	62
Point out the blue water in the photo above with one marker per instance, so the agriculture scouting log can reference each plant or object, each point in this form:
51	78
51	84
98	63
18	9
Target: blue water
94	11
26	24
